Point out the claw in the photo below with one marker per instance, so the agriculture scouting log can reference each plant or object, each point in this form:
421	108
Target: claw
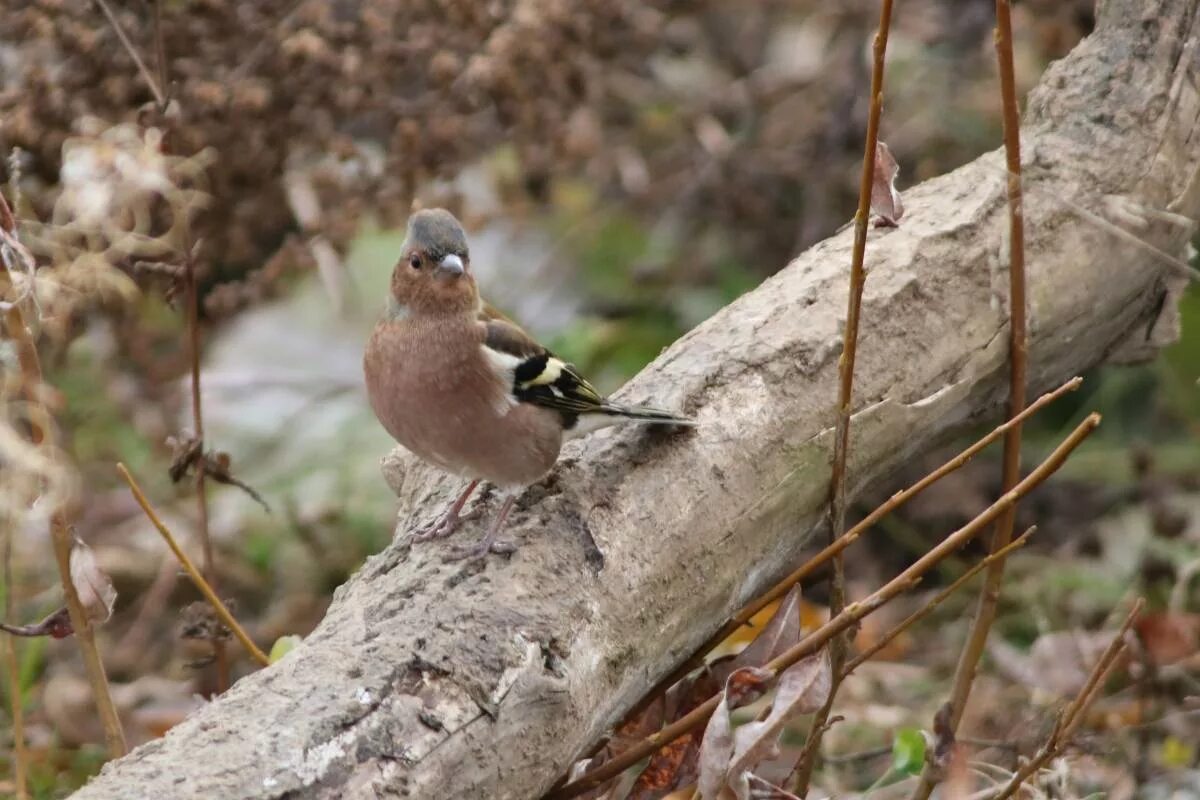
481	549
489	543
448	523
438	529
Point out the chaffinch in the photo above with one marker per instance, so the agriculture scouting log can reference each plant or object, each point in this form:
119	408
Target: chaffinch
464	388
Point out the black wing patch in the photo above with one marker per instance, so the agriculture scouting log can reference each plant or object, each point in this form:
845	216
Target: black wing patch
540	377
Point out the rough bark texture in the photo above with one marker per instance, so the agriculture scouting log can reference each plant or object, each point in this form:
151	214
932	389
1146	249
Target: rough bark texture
437	680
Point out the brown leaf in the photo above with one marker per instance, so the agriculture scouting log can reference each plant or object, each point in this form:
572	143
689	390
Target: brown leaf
1168	637
717	746
640	726
95	590
677	763
803	688
780	633
716	750
885	199
663	773
634	729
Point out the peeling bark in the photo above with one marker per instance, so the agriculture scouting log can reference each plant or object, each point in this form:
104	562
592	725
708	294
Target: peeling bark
437	680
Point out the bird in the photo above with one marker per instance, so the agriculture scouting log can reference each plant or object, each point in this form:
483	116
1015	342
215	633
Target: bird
464	388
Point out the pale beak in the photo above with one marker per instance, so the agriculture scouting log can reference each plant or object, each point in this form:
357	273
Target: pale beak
451	266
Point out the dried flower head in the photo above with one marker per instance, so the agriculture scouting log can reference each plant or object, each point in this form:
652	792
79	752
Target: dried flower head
122	201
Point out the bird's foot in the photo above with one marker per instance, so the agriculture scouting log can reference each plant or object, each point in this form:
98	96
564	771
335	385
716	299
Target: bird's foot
449	521
481	549
440	528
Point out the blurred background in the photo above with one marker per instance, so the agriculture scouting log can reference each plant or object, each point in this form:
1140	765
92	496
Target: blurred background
624	169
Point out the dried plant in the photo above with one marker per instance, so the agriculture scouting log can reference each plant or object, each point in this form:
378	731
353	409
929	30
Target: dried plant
699	108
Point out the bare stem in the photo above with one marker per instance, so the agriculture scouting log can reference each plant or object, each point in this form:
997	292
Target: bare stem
210	572
193	573
849	537
159	97
192	301
160	54
985	614
60	536
20	755
849	616
1069	721
841	440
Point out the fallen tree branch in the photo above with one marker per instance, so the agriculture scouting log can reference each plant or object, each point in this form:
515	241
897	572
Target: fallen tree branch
436	680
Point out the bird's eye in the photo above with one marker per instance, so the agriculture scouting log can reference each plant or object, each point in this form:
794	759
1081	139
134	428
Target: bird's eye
415	262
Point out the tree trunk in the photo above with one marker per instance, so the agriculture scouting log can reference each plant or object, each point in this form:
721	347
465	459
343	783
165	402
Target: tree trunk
437	680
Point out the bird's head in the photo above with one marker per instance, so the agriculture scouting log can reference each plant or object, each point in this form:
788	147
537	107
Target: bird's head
434	272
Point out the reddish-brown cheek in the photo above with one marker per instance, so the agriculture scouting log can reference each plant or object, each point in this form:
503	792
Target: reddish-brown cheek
403	287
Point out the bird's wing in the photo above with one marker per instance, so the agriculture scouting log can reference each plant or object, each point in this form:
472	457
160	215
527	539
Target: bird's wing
538	376
489	313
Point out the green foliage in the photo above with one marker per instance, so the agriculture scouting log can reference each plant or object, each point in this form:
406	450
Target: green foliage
908	751
284	645
908	758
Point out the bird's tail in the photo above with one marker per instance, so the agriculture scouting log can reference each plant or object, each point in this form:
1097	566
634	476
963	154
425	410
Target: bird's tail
653	416
608	413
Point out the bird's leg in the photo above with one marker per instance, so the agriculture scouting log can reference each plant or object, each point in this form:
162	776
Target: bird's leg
448	523
488	543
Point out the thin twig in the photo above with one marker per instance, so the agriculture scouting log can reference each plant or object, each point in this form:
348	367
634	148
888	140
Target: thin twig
841	440
60	536
989	596
192	303
60	533
937	600
210	571
849	616
816	562
1071	718
160	55
20	756
159	97
193	573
